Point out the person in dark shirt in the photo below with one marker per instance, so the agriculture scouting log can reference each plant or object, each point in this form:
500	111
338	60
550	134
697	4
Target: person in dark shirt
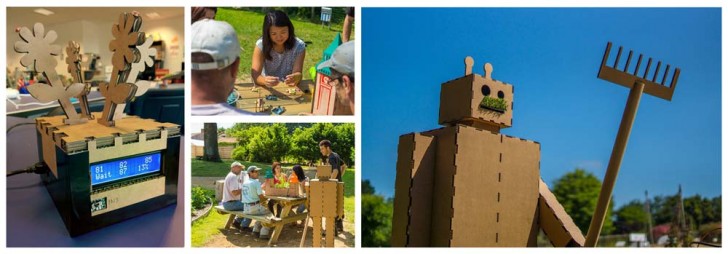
337	167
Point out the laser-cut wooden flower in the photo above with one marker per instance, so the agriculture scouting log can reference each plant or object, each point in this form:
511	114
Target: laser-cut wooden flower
40	55
73	58
125	42
146	58
39	48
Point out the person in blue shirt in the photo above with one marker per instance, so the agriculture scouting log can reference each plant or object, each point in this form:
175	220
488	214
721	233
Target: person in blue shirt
252	197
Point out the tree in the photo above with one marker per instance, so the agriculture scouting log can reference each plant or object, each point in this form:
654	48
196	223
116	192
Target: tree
631	218
578	191
270	145
344	142
211	153
377	222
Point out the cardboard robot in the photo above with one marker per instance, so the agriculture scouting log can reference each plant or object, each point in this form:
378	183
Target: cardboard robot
326	202
468	185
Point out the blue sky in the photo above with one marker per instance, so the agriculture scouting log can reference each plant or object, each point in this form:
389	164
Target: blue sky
552	57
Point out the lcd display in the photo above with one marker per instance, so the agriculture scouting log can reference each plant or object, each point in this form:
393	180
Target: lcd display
125	168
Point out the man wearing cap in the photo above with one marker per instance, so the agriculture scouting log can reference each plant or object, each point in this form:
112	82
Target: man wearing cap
252	197
231	191
342	69
215	60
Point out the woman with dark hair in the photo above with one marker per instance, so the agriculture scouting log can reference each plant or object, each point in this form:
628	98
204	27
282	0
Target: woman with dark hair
303	180
199	13
279	181
278	55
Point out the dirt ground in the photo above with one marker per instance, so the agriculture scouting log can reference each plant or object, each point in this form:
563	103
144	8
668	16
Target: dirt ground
291	237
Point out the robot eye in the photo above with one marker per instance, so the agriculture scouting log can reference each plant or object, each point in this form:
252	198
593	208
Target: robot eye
500	94
485	90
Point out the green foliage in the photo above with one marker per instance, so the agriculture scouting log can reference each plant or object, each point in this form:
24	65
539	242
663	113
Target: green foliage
497	104
377	222
578	191
201	197
631	218
301	140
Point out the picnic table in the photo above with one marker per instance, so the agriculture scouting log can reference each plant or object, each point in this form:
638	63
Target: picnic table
268	220
300	102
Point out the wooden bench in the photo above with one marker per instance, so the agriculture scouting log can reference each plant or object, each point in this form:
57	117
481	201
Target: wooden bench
267	220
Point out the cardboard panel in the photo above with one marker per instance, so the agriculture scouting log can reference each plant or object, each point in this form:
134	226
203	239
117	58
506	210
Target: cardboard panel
442	192
555	222
455	97
496	190
119	197
504	119
315	197
340	199
329	239
317	226
329	198
323	172
423	180
402	184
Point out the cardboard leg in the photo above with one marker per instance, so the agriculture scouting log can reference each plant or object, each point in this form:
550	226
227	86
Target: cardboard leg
330	232
316	232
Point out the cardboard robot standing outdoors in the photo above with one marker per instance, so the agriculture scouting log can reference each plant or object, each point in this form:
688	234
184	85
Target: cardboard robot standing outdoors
466	184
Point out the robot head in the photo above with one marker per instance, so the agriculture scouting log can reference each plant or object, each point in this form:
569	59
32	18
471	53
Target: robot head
476	100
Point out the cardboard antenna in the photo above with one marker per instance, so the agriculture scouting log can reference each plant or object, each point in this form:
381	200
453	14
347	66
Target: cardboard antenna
637	85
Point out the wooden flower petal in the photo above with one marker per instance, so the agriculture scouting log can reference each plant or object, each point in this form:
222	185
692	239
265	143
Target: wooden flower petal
75	89
26	34
21	47
50	37
38	30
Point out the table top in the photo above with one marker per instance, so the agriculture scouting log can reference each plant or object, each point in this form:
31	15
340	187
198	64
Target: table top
34	222
300	102
285	199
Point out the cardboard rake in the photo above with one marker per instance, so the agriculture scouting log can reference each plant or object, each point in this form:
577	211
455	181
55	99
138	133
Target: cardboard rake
638	84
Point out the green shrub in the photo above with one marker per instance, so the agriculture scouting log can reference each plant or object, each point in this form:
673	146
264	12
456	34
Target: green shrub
201	197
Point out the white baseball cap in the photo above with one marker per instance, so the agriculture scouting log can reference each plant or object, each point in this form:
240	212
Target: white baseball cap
217	39
342	60
236	164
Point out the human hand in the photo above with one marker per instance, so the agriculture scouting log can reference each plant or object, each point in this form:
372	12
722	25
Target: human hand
293	79
271	81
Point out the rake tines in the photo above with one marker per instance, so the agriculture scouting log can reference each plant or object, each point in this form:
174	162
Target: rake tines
625	78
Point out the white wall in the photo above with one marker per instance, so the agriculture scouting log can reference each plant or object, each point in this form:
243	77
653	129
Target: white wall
94	37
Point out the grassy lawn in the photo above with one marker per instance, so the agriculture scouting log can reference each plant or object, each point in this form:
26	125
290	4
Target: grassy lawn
249	26
205	228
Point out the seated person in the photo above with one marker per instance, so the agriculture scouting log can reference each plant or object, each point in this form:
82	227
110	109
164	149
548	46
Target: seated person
215	59
278	55
303	180
252	197
280	180
231	191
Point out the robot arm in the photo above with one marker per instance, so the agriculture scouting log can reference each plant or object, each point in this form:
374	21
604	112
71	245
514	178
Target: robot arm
555	222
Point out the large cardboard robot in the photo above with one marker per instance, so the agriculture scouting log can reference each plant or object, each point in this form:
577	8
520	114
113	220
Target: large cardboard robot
466	184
